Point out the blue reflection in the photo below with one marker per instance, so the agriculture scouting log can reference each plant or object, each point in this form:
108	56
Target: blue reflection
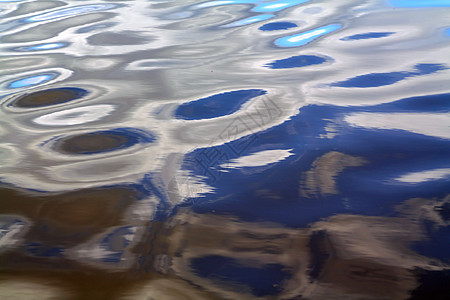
69	12
250	20
419	3
262	281
437	244
272	193
447	31
217	105
49	46
297	62
305	37
115	243
277	26
30	81
382	79
42	250
277	5
368	35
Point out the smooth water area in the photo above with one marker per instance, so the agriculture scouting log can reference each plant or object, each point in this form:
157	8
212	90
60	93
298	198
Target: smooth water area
236	149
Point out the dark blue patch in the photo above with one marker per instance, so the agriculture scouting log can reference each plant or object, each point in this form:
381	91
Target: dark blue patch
296	62
437	245
277	26
216	105
116	243
368	35
382	79
273	193
42	250
103	141
262	281
429	103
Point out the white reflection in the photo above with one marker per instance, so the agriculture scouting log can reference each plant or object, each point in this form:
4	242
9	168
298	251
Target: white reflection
258	159
434	124
423	176
75	116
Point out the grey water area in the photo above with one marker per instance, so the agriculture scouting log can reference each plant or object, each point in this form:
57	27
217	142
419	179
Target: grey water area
224	149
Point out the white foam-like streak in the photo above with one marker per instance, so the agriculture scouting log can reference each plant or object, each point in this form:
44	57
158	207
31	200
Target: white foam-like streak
258	159
423	176
431	124
75	116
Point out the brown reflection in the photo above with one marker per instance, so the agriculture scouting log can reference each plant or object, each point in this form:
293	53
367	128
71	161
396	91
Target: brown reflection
321	179
69	218
342	257
49	97
91	143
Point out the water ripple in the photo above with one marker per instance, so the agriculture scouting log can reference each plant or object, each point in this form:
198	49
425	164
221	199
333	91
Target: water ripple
70	12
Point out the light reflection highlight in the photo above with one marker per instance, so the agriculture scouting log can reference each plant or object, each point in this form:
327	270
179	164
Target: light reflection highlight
424	176
49	46
75	116
434	124
31	81
69	12
258	159
250	20
419	3
277	5
304	38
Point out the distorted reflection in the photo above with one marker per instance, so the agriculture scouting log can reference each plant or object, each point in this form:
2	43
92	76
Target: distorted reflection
216	105
297	62
277	5
419	3
31	81
235	149
432	124
277	26
424	176
381	79
43	47
365	36
250	20
69	12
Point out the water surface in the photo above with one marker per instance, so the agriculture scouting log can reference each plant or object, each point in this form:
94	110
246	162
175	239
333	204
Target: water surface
238	149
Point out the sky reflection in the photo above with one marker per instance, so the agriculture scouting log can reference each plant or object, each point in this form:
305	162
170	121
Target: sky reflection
305	37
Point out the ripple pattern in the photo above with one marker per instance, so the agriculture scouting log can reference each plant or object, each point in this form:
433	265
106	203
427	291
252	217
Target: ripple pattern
224	149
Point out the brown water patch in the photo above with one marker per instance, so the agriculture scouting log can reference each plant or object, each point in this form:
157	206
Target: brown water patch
49	97
91	143
69	218
342	257
321	178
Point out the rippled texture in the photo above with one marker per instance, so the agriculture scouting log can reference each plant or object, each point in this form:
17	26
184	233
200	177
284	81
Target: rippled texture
224	149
